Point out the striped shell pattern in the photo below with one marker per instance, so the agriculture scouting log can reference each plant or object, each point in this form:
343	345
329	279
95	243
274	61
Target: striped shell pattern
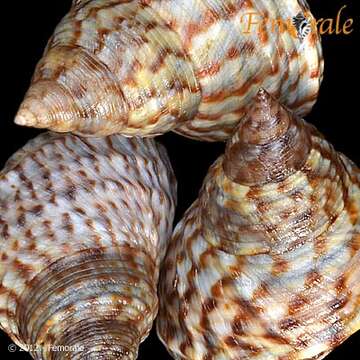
84	225
144	67
266	262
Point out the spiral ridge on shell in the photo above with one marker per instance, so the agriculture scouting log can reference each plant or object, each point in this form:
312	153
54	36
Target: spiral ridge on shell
142	68
265	263
84	226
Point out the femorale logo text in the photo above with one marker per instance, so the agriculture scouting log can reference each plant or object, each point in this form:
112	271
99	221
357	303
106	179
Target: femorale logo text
300	25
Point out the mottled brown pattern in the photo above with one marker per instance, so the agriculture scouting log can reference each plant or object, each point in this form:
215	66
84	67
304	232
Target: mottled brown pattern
269	261
83	229
152	67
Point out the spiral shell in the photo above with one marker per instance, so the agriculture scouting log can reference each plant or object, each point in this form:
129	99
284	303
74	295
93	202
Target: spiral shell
266	263
144	67
84	224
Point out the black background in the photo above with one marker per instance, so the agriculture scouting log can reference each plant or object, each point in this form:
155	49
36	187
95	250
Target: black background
25	28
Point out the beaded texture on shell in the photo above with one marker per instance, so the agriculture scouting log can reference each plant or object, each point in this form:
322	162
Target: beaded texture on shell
84	225
192	66
266	263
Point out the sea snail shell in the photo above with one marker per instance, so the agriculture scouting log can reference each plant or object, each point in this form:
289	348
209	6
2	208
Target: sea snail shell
145	67
266	263
84	224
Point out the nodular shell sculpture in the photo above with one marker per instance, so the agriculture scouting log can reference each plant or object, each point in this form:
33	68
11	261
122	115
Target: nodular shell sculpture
145	67
266	263
84	225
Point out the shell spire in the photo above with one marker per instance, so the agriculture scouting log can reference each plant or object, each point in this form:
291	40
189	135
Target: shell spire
111	67
269	145
265	264
142	68
70	84
84	226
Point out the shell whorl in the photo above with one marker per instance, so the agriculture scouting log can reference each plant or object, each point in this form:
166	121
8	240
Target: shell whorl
111	67
84	225
263	266
115	303
58	104
269	144
147	67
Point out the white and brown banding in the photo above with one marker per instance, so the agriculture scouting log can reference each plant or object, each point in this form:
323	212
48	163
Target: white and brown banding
223	98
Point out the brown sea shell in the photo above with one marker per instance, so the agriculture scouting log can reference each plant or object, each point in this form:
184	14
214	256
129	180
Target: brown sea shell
148	67
266	262
84	225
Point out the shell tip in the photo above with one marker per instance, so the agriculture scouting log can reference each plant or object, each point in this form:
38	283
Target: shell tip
262	107
43	103
262	93
25	118
269	145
